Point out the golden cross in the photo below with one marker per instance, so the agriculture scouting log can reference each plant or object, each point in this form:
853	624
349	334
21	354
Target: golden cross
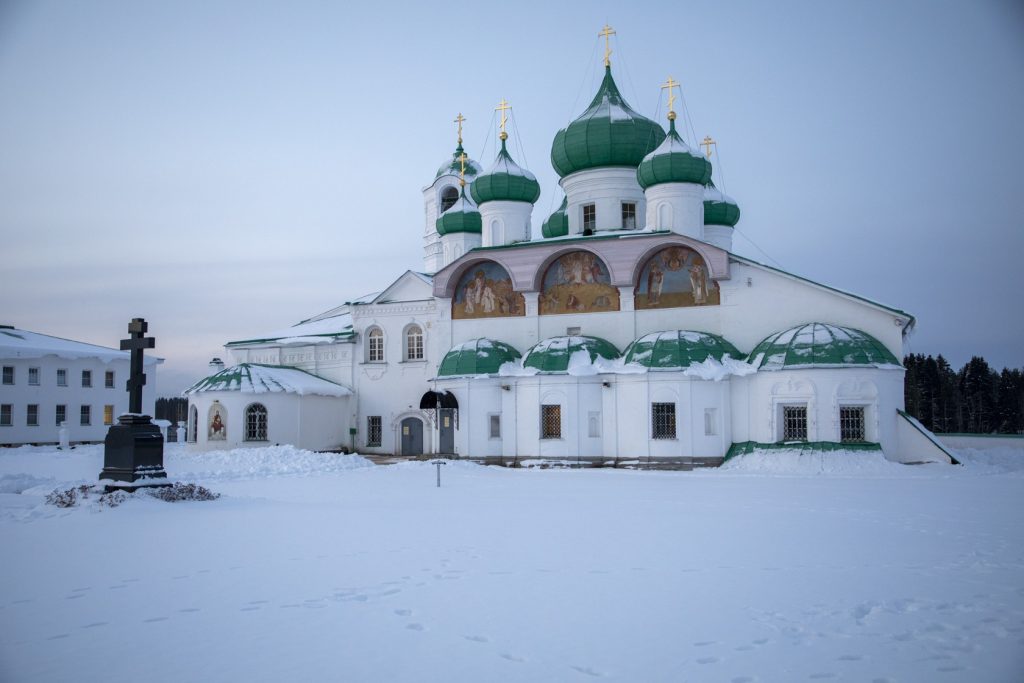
607	32
671	85
706	144
503	106
459	119
462	168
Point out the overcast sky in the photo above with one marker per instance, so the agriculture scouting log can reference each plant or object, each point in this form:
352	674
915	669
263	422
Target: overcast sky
228	168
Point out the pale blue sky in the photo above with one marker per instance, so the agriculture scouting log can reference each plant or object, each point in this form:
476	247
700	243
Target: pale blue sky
227	168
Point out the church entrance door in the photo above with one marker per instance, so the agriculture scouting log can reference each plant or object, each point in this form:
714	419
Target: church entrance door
446	429
412	436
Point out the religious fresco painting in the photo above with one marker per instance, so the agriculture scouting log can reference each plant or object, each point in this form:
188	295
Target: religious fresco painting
217	424
485	291
577	282
676	277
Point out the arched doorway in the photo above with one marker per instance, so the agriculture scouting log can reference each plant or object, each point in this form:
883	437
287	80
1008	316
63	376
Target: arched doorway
412	436
446	408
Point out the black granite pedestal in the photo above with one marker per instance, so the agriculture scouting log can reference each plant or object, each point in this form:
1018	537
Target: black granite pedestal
133	453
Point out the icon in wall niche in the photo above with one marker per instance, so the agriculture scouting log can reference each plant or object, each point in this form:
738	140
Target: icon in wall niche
676	277
485	291
578	282
217	429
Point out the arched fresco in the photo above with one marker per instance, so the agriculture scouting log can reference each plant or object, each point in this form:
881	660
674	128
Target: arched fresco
577	282
674	277
485	291
217	423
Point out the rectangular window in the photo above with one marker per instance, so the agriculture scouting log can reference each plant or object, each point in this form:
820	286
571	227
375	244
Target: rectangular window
62	377
414	344
794	423
61	414
33	377
589	217
108	379
6	415
375	354
85	416
86	378
551	422
663	420
594	424
495	426
628	215
8	374
32	415
374	430
108	415
851	424
710	421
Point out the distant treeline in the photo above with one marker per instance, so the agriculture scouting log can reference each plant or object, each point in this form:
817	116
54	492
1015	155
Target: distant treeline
977	399
173	409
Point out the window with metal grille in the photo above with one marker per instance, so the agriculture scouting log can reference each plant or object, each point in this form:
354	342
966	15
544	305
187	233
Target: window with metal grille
448	198
495	426
85	416
551	422
6	415
414	343
62	377
33	377
32	415
256	422
794	423
375	346
374	430
108	415
86	378
108	379
851	423
628	215
589	217
61	415
663	420
8	374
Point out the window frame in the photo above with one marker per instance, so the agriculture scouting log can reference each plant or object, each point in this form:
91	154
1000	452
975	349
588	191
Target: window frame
85	415
60	411
108	414
789	419
8	375
589	222
551	421
255	427
6	414
494	426
414	341
664	422
32	415
375	345
374	431
454	197
62	377
629	215
37	373
108	379
87	379
843	420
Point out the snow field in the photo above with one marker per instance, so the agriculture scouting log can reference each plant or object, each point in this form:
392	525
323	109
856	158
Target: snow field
322	567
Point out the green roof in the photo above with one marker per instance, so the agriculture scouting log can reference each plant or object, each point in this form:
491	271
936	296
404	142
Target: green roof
818	345
476	357
462	216
678	349
454	166
257	378
553	355
557	224
505	181
719	208
673	162
608	133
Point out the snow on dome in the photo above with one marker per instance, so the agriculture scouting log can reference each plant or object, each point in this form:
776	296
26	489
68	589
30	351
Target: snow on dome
454	166
505	181
820	345
562	354
679	350
462	216
719	208
476	357
253	378
673	161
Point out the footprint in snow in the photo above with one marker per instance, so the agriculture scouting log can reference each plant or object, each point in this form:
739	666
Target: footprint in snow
478	639
95	624
59	636
586	670
154	620
851	658
188	610
821	676
403	612
512	658
415	627
742	679
708	660
703	643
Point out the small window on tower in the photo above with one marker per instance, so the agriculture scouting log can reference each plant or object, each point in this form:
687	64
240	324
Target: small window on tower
448	198
629	215
589	217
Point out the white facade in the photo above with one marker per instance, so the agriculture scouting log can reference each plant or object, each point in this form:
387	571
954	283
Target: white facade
606	189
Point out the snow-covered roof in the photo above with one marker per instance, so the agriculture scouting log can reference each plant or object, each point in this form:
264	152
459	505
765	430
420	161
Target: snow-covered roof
476	357
678	349
319	330
253	378
820	345
15	343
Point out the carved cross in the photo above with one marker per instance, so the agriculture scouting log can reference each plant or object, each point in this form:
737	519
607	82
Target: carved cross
607	32
706	144
136	342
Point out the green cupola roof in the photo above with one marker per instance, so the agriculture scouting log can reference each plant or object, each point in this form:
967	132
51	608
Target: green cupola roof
820	345
462	216
505	181
453	166
557	224
673	162
719	208
555	354
608	133
476	357
678	349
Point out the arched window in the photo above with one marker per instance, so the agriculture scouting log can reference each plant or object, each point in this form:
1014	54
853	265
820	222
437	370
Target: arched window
256	422
414	343
193	424
449	196
375	346
664	216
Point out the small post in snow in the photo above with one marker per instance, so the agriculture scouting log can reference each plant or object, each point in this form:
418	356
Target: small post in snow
62	434
438	463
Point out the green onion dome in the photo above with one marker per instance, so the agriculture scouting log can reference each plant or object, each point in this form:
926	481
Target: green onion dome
719	208
476	357
608	133
678	349
556	354
462	216
819	345
505	181
673	162
453	166
557	224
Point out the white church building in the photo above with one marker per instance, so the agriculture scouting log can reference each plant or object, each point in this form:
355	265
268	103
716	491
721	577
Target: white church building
628	334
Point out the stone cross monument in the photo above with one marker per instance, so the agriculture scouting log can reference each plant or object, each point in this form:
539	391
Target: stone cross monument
133	451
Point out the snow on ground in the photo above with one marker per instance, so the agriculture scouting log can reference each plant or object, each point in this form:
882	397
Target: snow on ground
326	568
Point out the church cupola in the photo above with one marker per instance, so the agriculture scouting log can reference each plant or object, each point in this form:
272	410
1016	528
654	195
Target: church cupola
673	177
721	214
557	224
505	194
596	158
459	226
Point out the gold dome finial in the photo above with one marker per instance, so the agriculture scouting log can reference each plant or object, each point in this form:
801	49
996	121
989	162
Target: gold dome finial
462	168
607	32
503	107
707	143
459	119
671	85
